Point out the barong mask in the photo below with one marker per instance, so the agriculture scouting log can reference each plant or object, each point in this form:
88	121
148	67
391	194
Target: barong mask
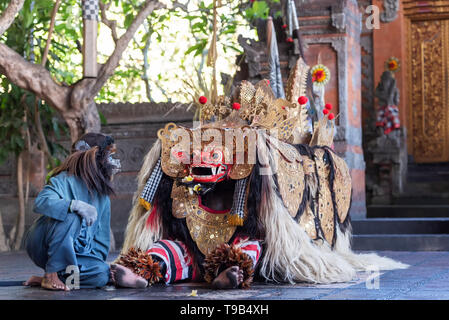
212	164
282	185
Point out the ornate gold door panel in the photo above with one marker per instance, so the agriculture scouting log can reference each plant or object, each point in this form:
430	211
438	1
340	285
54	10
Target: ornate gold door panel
428	128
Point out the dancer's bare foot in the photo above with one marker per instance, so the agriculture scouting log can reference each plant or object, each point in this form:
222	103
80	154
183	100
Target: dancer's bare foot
51	281
124	277
33	281
230	278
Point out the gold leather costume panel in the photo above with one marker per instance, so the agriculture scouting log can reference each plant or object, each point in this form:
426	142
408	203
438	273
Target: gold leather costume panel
342	187
290	175
208	230
169	139
325	203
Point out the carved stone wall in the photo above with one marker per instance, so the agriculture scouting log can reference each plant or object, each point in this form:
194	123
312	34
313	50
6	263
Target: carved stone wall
331	30
417	33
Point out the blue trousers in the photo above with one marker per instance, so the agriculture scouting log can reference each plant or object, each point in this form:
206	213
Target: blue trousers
50	244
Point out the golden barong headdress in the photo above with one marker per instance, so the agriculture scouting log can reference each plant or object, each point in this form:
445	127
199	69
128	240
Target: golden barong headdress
251	108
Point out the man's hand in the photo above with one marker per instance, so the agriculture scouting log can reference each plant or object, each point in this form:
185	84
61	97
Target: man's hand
85	210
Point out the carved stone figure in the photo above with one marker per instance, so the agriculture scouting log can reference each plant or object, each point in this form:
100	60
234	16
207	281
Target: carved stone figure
388	95
252	56
391	11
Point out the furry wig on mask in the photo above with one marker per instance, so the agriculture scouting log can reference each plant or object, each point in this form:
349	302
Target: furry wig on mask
89	161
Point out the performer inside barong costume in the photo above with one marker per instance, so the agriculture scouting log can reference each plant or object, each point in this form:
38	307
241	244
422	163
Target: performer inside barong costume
74	227
225	209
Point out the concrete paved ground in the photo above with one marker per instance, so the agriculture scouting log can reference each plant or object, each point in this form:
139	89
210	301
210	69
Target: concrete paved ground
426	279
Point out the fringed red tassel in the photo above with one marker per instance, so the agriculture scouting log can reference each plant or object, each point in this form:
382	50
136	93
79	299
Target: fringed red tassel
152	221
141	264
227	256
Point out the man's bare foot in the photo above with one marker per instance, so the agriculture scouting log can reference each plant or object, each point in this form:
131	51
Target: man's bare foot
51	281
230	278
33	281
124	277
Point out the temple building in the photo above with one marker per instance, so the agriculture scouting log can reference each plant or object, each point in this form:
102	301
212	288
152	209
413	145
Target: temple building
387	61
388	65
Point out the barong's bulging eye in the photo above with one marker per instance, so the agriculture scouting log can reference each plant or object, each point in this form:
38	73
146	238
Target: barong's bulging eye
180	156
217	156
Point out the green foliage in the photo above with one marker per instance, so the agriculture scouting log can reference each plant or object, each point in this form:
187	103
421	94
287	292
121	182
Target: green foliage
186	48
178	41
259	9
11	121
27	36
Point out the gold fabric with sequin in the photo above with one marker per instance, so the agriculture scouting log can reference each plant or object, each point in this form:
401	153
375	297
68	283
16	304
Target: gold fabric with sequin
179	194
208	230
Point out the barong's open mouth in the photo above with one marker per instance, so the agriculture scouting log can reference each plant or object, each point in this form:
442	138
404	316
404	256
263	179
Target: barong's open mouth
208	173
219	198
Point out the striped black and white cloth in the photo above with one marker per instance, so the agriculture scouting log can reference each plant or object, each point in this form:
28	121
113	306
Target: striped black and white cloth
152	183
90	10
239	201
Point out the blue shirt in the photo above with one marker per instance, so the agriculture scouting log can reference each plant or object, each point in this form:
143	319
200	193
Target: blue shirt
54	202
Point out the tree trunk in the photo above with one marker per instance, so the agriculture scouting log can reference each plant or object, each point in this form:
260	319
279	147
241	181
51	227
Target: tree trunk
75	104
20	224
8	16
3	239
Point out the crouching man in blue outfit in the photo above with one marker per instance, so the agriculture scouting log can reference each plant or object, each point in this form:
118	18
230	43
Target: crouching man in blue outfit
72	234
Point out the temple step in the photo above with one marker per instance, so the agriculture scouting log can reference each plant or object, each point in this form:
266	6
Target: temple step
401	234
428	171
410	210
439	199
401	226
401	242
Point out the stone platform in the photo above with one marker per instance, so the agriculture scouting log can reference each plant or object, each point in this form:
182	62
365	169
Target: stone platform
426	279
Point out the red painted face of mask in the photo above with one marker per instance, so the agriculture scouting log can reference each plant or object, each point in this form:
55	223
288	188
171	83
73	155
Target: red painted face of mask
206	166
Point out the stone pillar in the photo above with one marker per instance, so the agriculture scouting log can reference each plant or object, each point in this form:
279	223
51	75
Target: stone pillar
331	30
